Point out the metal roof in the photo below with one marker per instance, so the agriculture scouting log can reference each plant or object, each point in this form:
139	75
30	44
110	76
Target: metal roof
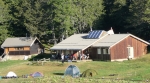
74	42
81	42
109	40
18	42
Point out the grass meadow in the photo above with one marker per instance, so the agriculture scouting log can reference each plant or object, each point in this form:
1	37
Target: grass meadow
131	71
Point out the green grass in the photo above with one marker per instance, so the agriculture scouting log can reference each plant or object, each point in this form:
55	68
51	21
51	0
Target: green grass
108	72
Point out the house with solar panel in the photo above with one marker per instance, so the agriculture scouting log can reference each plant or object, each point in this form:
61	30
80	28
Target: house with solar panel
20	48
103	45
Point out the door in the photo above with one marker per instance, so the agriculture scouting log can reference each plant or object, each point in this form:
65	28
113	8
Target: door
130	52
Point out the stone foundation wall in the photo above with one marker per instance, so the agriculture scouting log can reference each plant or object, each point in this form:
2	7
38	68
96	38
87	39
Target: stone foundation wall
17	57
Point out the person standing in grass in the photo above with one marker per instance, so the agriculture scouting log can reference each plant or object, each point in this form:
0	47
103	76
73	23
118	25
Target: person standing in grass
62	57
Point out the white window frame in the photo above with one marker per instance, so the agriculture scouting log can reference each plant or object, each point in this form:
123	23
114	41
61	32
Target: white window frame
99	51
104	51
108	51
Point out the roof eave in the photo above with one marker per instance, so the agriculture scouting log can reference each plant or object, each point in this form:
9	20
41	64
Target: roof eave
140	39
35	40
100	46
63	49
14	46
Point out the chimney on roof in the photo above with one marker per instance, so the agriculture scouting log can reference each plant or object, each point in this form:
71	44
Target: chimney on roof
26	36
110	31
31	37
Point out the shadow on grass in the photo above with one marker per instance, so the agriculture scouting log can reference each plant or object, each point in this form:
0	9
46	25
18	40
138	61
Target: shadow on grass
58	74
40	56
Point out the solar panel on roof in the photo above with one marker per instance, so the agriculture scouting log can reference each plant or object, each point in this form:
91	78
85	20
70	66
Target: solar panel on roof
90	34
98	34
94	34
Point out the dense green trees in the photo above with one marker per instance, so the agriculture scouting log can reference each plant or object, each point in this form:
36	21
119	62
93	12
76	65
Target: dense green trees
16	27
4	21
127	16
116	14
59	19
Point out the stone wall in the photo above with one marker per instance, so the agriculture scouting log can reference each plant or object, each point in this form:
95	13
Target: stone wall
17	57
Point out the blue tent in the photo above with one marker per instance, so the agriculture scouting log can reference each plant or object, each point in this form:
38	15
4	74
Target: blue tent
73	71
37	74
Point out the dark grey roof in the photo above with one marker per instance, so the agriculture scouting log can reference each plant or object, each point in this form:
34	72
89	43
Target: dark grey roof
18	42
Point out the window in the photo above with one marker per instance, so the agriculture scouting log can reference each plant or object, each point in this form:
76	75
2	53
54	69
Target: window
98	50
19	48
103	51
106	51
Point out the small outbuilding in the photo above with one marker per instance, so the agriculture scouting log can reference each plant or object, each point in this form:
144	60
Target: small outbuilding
22	47
73	71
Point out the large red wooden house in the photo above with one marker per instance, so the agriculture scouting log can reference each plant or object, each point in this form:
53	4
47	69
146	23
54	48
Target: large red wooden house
103	45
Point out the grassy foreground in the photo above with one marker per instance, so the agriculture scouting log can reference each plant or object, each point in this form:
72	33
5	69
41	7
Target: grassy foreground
133	71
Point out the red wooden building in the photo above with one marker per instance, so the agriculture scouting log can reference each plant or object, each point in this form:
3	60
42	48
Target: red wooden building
103	45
